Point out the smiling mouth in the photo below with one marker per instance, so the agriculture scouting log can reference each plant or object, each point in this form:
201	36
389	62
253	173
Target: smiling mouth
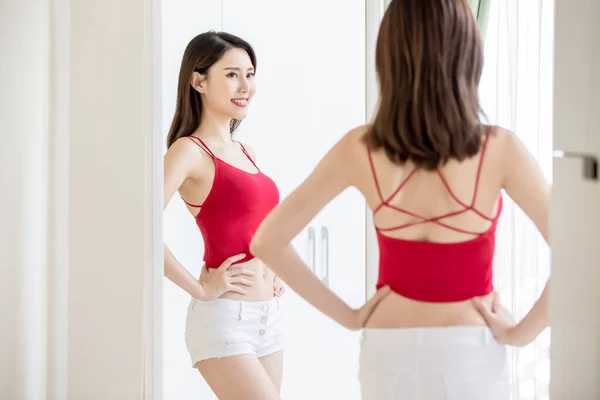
240	102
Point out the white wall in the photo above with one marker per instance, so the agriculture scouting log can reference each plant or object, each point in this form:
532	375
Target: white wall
110	197
24	111
58	202
102	92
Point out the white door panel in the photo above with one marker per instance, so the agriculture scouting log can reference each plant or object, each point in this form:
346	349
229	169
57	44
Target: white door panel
575	298
310	92
575	216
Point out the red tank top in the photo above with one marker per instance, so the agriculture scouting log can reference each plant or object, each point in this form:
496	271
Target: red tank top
437	272
237	203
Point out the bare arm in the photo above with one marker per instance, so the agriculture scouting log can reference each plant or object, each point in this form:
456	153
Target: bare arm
272	240
526	185
178	162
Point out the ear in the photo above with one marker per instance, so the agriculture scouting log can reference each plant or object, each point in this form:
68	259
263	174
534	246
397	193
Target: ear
198	82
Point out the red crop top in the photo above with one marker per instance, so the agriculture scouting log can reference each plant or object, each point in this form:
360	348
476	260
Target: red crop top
237	203
437	272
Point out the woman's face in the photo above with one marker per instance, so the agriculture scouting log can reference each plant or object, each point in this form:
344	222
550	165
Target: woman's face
229	85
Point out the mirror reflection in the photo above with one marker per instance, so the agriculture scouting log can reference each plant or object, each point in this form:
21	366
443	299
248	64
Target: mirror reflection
356	203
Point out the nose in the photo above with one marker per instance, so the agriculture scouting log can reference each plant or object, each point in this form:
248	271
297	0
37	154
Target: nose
244	85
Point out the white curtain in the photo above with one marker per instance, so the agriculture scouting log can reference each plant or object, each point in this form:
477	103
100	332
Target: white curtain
516	93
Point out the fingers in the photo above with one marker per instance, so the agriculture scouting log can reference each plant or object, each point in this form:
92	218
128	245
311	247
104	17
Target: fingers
480	306
203	272
379	295
496	302
236	271
236	289
281	291
241	281
227	263
370	305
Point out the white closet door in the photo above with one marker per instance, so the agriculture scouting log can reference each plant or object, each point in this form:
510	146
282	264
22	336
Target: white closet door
575	222
310	92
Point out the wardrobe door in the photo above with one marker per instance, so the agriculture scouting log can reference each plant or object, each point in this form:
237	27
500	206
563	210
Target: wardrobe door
575	216
310	92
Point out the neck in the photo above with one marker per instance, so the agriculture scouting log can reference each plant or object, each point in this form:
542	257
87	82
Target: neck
215	128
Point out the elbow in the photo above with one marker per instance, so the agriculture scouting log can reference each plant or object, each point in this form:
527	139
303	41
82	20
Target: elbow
264	246
257	247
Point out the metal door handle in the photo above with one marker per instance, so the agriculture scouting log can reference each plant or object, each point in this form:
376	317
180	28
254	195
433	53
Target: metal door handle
312	248
590	163
325	238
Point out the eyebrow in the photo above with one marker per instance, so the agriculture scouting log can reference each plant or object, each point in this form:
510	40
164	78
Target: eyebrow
237	69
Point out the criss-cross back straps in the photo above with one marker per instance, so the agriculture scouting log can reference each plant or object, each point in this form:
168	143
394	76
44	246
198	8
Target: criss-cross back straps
435	220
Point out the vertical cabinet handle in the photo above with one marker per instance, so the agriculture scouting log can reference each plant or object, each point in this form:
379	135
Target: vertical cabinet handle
325	238
312	248
590	163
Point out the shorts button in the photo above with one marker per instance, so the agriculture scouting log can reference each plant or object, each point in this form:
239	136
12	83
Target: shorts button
261	332
263	319
265	308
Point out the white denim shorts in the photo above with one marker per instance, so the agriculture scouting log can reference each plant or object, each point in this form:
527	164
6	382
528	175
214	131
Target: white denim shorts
223	328
446	363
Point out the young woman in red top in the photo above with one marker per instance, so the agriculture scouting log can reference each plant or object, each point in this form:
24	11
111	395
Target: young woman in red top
432	174
234	330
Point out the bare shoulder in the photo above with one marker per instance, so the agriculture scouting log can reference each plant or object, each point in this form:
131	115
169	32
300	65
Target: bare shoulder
185	155
356	135
505	143
500	143
352	143
183	147
499	136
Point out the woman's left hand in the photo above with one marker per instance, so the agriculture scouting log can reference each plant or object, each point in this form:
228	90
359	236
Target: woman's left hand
499	320
278	288
361	315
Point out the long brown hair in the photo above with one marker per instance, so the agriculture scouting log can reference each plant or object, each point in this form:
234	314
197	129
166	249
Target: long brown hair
200	54
429	59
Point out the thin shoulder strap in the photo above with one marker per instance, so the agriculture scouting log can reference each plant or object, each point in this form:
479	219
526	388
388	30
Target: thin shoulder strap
202	145
481	157
205	148
400	186
248	155
374	174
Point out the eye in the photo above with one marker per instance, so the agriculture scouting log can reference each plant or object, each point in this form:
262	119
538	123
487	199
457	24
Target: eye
250	75
232	75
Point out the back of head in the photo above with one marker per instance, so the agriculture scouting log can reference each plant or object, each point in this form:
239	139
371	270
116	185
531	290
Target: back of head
429	60
201	53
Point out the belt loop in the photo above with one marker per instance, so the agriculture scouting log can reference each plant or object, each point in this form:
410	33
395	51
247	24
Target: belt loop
240	314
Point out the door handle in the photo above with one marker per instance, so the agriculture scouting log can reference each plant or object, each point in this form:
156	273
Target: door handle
589	163
325	239
312	248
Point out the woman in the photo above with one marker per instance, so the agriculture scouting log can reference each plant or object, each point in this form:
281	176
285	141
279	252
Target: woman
234	324
432	174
